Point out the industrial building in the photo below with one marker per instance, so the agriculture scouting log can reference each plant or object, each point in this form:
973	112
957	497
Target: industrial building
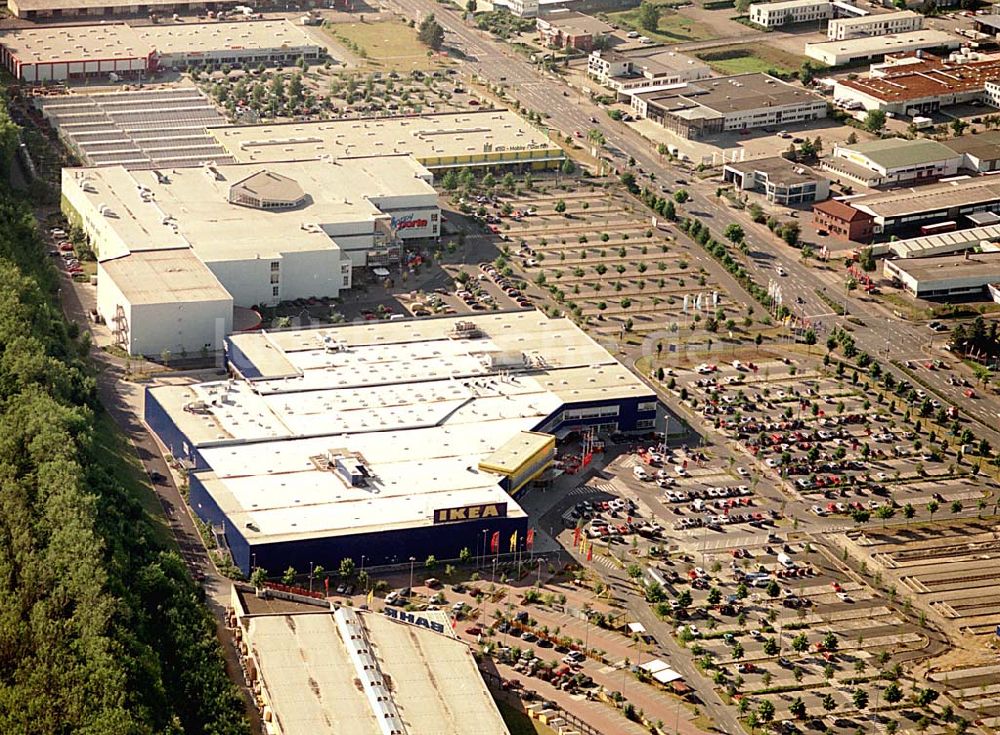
983	239
773	15
881	24
741	102
389	439
980	152
892	161
629	73
780	181
481	139
137	129
46	9
314	671
904	211
912	85
870	48
60	53
946	276
268	233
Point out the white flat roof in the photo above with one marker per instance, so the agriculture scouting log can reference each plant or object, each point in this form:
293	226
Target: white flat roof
421	408
178	38
311	678
426	137
165	276
190	206
887	44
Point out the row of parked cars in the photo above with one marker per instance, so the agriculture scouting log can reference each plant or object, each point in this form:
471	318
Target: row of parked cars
505	284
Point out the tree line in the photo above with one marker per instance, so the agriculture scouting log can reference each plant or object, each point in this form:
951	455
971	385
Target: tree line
101	627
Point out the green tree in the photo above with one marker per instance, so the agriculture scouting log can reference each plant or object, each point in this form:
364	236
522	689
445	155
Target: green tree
258	578
288	577
800	643
734	233
932	508
893	693
560	207
568	167
347	567
465	555
649	16
430	32
875	121
430	563
860	698
829	704
450	180
765	710
797	708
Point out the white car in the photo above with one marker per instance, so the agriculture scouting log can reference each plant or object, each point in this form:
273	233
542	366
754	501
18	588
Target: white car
742	472
819	510
781	271
773	462
681	472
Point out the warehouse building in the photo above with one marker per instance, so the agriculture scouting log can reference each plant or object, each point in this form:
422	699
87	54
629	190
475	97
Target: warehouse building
983	239
316	671
947	276
481	139
913	85
741	102
780	181
60	53
871	48
39	9
390	439
788	12
629	73
904	211
881	24
892	161
270	233
980	152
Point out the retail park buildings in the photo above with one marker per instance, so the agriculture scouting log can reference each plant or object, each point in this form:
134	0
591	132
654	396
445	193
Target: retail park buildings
364	673
248	234
388	439
59	53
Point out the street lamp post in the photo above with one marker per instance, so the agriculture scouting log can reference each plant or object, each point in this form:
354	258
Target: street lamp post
412	559
310	577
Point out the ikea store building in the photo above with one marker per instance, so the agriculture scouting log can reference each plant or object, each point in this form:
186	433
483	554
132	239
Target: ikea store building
385	440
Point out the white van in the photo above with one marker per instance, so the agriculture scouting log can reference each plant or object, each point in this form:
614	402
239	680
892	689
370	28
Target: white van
786	561
640	474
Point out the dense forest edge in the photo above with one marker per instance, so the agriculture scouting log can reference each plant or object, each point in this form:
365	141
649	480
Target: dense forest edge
101	628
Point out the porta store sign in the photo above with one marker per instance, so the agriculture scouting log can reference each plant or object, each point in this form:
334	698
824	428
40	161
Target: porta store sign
405	617
408	222
470	513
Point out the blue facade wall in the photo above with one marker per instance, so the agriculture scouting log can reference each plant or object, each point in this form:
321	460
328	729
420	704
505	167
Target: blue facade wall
444	541
208	510
169	434
238	359
628	414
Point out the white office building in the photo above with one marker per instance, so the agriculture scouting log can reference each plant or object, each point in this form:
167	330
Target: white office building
523	8
773	15
841	29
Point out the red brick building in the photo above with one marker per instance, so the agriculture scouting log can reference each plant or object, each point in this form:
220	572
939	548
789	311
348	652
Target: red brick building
843	221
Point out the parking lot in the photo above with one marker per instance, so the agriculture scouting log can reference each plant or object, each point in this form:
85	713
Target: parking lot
948	569
590	251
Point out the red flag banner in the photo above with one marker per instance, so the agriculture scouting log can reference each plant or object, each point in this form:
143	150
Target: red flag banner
495	542
576	536
590	552
326	584
529	541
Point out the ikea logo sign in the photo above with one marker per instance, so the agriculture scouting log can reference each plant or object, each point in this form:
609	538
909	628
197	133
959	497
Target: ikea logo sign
471	513
414	619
